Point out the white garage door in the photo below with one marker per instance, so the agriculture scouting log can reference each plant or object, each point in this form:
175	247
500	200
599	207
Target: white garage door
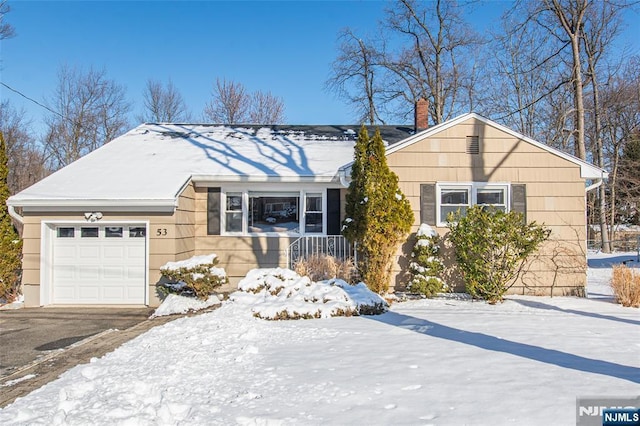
99	264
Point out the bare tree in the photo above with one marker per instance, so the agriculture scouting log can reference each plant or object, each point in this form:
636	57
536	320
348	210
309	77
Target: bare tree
561	22
520	82
163	104
230	103
628	181
25	159
91	111
435	62
354	76
602	23
570	15
425	51
6	29
621	131
266	108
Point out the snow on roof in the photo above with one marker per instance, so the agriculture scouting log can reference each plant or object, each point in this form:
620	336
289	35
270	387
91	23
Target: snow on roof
149	165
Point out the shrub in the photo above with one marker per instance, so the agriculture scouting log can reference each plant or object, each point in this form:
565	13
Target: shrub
322	267
491	248
198	276
279	294
425	264
625	283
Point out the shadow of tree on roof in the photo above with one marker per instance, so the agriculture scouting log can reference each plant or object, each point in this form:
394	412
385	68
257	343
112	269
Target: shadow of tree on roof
524	350
283	152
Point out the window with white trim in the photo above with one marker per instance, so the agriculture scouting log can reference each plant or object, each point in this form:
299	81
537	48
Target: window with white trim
492	197
233	212
313	217
452	198
243	212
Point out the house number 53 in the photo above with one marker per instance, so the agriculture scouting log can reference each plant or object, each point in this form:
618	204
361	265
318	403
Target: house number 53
161	232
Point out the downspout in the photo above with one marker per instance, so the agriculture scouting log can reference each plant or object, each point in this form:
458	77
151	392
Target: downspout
14	214
593	186
344	181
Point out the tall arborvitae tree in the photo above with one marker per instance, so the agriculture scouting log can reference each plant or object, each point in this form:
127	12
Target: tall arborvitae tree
379	216
10	243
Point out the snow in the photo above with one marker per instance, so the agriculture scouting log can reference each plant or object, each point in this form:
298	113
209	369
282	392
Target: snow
149	165
192	262
426	231
175	304
429	361
9	383
281	293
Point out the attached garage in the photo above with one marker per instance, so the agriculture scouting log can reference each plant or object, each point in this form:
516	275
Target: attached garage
97	264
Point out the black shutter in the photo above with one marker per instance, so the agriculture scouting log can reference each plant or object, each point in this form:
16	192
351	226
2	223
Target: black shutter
333	212
213	211
428	203
519	199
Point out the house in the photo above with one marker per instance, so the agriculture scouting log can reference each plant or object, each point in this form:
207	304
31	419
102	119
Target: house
97	231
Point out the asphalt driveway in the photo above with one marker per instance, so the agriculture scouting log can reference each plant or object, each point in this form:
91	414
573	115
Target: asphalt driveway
29	334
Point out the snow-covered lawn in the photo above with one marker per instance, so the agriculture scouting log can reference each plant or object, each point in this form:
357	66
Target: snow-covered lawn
444	361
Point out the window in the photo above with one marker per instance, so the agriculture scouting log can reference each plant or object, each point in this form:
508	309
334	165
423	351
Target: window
89	232
137	232
492	197
453	198
66	232
233	212
113	232
313	214
274	212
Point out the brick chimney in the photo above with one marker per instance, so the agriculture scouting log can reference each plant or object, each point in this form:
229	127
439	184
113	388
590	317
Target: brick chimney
421	114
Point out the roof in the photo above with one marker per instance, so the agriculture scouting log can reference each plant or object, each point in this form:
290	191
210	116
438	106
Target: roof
587	170
147	167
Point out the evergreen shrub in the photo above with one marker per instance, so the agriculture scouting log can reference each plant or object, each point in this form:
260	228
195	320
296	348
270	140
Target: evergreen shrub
198	276
426	265
10	242
378	215
491	248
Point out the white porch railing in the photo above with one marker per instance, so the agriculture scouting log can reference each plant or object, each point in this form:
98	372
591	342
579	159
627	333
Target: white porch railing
331	245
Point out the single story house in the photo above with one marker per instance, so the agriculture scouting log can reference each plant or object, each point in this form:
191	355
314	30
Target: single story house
97	231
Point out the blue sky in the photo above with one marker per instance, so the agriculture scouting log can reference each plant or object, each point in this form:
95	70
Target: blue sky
285	47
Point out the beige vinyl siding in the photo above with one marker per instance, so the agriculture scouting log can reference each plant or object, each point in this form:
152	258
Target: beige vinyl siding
237	254
177	244
554	188
31	261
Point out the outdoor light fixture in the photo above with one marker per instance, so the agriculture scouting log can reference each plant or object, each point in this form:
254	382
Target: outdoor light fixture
93	216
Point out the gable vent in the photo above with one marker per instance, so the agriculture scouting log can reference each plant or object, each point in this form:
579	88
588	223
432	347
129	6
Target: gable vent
473	145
